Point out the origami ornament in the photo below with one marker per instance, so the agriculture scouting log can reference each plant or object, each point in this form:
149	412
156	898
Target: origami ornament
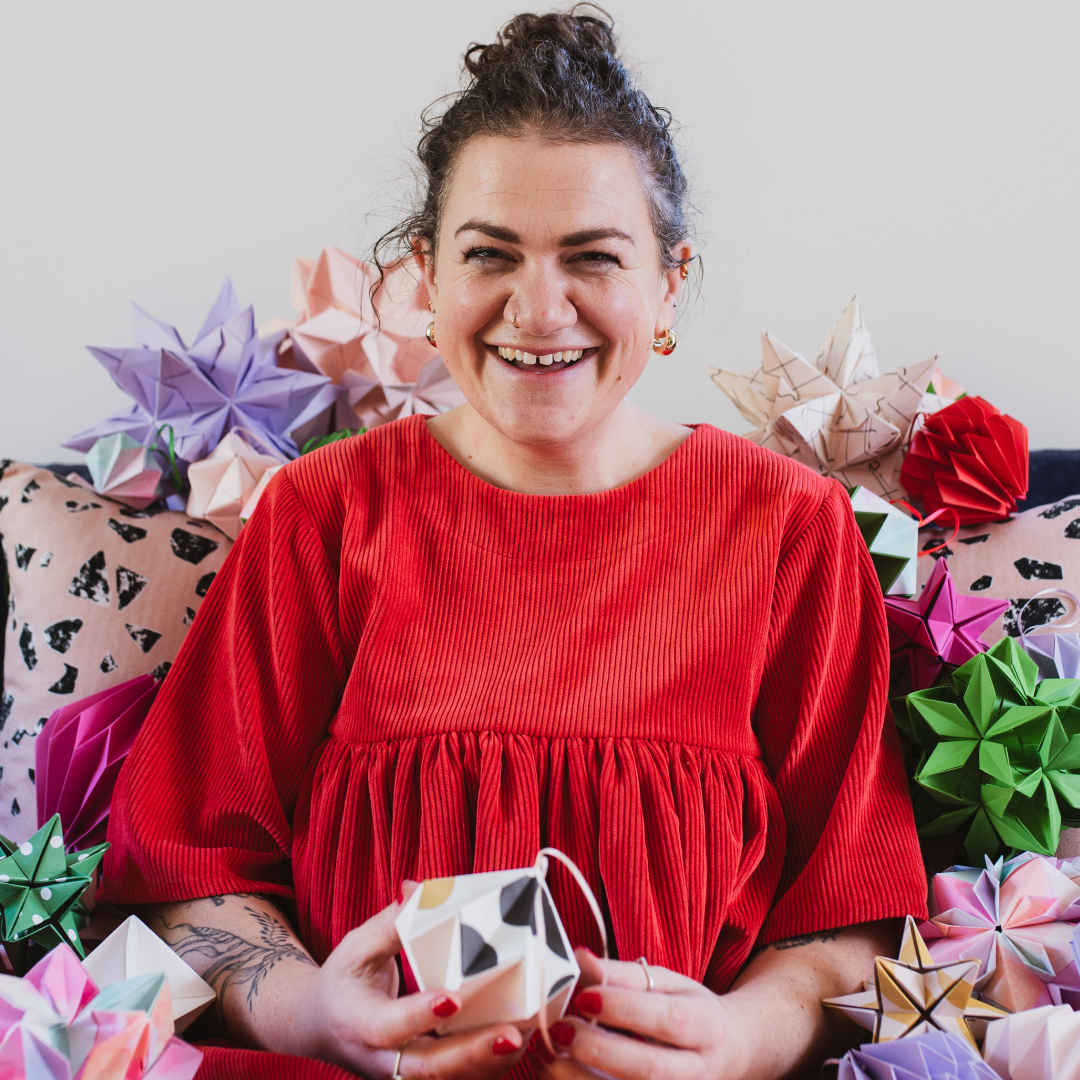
937	1055
374	347
1040	1044
40	888
913	995
1057	656
124	470
133	950
1000	755
227	379
940	627
79	753
253	499
893	540
477	935
837	413
971	457
1018	919
55	1024
222	483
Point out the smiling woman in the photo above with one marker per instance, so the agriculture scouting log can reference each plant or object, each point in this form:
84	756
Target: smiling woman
546	617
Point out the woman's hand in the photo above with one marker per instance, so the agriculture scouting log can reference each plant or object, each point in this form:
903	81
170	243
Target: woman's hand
273	996
770	1024
682	1031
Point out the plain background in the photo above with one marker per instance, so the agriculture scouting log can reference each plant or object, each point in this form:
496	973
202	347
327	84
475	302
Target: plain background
923	155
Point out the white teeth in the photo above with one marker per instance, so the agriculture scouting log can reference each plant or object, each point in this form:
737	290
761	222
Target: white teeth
547	360
570	356
528	357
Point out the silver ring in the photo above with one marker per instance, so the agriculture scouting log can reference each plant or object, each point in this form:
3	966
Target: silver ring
397	1061
648	974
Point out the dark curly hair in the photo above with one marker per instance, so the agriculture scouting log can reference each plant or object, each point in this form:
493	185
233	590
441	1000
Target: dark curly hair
557	75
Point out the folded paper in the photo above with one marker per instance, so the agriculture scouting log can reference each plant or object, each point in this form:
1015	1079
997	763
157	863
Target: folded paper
125	470
496	940
836	413
222	483
56	1024
913	995
134	950
373	346
937	1055
227	379
940	627
1018	919
971	457
1057	656
256	493
79	754
1000	754
1040	1044
892	538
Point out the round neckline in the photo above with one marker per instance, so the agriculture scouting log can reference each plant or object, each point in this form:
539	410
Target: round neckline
622	490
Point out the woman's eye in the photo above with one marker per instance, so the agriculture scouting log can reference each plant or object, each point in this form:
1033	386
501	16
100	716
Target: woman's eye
486	256
597	258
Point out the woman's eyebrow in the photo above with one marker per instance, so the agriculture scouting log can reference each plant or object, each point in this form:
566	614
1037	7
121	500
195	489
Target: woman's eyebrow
583	236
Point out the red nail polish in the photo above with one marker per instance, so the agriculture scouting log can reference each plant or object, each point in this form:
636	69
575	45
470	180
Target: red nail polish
589	1001
444	1006
503	1047
562	1033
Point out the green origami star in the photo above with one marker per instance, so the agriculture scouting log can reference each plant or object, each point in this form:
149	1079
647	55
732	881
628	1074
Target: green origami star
998	752
40	887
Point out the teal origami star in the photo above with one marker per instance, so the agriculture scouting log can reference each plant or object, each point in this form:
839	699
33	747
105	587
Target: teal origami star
40	887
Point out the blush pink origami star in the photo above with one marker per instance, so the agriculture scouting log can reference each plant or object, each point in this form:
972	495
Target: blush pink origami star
1018	919
940	627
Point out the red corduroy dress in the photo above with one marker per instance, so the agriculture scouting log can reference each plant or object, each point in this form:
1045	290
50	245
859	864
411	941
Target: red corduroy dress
404	672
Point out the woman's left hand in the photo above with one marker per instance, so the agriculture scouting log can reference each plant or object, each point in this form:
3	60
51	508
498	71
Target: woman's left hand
682	1029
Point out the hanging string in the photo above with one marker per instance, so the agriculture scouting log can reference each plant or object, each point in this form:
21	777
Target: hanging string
924	521
1050	628
540	868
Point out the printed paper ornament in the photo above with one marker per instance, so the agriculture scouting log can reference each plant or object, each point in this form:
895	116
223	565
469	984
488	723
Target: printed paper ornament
914	995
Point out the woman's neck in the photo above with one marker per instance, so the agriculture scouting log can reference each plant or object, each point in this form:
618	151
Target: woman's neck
630	443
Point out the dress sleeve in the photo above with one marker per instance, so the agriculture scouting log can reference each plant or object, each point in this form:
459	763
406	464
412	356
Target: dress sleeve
204	803
829	742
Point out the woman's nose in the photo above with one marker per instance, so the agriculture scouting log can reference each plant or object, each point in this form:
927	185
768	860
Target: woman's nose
540	303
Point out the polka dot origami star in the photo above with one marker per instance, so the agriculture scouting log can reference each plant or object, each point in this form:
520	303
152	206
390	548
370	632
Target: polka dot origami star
913	995
40	887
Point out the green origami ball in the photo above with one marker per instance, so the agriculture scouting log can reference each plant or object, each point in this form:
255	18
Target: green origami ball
999	753
40	887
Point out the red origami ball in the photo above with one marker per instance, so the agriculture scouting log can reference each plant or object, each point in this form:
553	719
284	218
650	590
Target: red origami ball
971	457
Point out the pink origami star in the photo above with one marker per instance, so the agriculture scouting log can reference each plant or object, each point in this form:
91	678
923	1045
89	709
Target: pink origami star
940	627
1018	919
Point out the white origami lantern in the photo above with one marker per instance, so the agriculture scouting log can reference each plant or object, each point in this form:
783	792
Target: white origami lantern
476	935
133	949
222	483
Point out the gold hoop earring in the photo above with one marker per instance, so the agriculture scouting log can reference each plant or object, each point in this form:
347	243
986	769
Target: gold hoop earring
429	333
684	271
665	346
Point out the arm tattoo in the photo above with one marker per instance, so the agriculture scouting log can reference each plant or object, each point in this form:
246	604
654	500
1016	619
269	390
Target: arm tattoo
807	939
218	901
234	961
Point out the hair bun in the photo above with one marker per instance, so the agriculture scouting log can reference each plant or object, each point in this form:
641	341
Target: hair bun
585	39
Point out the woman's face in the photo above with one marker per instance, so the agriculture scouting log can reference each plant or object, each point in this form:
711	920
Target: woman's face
546	250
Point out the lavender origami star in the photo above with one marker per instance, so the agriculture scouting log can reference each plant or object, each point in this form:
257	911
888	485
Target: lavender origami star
936	1055
227	379
940	627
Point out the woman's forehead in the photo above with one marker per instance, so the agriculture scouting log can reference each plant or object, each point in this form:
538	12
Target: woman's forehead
540	189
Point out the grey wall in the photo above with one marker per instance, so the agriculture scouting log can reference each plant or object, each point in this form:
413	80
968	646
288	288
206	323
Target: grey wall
922	155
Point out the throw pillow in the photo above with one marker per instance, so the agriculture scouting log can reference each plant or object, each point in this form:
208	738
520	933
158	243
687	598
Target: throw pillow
1013	560
98	594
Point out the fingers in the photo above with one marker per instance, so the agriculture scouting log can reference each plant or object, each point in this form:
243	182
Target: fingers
682	1020
376	941
616	1055
630	974
488	1052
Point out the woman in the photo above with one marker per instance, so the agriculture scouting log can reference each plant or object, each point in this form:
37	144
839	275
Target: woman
546	617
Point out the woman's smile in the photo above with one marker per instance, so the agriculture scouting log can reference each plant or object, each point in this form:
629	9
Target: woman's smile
546	362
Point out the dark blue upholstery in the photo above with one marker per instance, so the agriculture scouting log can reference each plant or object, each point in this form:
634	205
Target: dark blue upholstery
1053	475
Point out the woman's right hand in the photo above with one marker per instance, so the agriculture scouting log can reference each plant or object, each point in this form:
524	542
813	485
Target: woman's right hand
348	1012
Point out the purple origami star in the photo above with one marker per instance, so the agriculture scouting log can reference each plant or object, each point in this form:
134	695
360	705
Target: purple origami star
227	379
940	627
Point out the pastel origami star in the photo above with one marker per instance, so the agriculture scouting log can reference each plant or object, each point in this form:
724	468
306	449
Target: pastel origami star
914	995
940	627
227	379
1057	656
222	483
40	887
1018	919
1000	754
125	470
374	347
1039	1044
936	1055
892	538
836	413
